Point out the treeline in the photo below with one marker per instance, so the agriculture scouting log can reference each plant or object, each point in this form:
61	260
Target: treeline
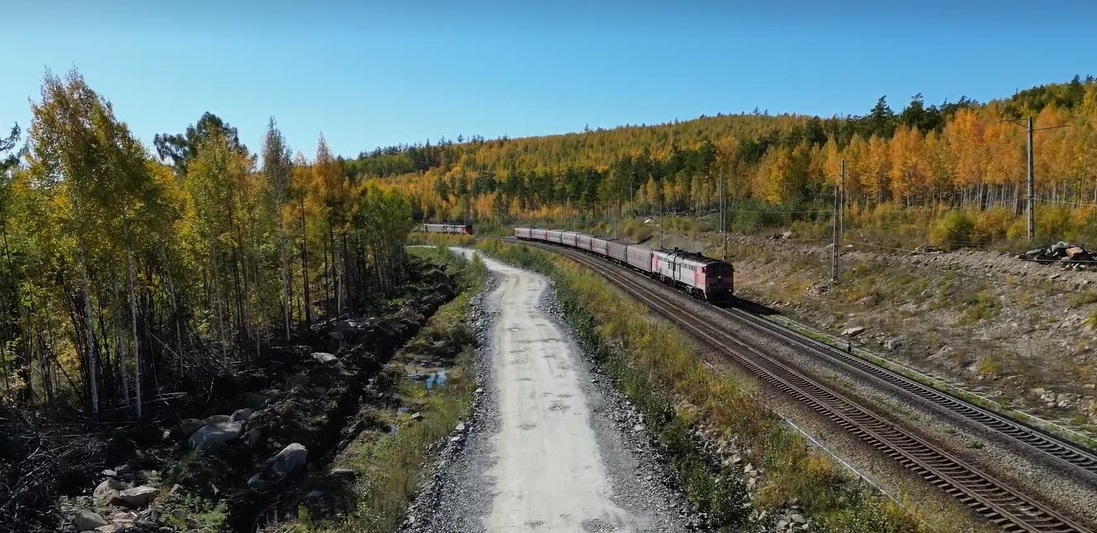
124	277
961	155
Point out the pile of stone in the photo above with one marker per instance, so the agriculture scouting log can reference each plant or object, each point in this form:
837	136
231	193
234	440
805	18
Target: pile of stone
1062	252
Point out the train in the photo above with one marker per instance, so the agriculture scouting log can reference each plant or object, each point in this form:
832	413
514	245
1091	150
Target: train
704	278
460	229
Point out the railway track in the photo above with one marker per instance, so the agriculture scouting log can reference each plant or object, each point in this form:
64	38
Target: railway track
1008	509
1070	456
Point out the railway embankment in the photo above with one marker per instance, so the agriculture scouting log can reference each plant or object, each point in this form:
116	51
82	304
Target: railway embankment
737	462
1017	333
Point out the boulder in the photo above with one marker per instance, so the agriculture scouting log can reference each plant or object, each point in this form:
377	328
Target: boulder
242	415
334	341
88	520
256	401
289	461
324	357
137	496
258	484
217	419
114	527
252	437
189	426
219	432
107	491
296	380
853	331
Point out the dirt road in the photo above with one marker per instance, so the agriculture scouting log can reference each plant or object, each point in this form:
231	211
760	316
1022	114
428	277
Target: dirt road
552	447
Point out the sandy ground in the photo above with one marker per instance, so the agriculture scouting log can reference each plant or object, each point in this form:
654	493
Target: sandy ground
560	455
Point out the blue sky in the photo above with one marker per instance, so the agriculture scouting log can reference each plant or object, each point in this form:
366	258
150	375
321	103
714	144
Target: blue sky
370	73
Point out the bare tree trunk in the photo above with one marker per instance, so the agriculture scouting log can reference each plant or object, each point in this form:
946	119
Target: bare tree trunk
133	324
93	355
305	267
121	349
285	272
334	270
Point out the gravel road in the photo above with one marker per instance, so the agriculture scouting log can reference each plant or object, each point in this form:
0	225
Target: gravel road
552	446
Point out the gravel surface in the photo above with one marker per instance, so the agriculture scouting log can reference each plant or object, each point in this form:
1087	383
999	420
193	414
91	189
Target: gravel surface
592	466
985	449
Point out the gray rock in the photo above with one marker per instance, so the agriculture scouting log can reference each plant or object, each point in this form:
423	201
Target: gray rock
114	527
217	419
137	496
853	331
460	427
324	357
215	433
416	416
290	460
253	436
296	380
344	472
242	415
257	483
782	525
798	518
107	491
256	401
189	426
86	520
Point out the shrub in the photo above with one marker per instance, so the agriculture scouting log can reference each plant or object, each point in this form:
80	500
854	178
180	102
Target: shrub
992	225
952	230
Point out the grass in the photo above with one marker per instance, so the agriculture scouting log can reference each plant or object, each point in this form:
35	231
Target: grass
390	465
1081	299
652	364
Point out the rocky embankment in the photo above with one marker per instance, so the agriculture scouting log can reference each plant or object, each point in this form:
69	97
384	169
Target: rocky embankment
262	446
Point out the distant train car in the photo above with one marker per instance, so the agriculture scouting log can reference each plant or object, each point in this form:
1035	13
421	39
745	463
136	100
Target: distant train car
598	246
638	256
538	234
569	238
554	236
524	234
461	229
583	242
615	250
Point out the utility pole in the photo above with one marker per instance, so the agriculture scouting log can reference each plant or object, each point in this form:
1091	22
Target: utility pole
839	193
616	211
661	216
834	242
842	208
1031	215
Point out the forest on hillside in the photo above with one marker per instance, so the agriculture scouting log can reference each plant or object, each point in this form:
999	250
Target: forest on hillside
130	273
963	155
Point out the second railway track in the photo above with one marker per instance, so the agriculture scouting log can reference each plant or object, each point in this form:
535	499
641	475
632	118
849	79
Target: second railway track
997	501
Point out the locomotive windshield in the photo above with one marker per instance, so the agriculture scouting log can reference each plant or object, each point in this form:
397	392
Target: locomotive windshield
718	269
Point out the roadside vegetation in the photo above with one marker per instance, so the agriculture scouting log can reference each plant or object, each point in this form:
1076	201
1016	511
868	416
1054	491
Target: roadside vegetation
736	462
390	459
